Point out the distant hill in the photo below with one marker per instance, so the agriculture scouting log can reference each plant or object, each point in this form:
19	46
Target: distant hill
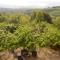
15	10
54	11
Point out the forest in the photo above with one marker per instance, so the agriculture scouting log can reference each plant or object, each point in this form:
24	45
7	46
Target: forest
30	30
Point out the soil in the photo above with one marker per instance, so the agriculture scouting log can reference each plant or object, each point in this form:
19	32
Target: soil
42	54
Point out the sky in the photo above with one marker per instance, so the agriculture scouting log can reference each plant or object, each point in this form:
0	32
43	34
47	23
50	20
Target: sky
29	3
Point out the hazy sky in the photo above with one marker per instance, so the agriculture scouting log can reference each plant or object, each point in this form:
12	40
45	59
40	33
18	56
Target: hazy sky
29	3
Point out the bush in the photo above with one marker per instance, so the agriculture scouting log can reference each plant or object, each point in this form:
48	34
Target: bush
41	16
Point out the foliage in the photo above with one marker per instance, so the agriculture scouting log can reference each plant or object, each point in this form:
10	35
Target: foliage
57	22
28	30
7	40
40	16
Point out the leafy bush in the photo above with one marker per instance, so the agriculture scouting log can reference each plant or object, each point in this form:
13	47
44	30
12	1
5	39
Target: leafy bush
29	31
41	16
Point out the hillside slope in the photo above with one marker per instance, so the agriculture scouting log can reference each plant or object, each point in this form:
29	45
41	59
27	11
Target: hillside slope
54	11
